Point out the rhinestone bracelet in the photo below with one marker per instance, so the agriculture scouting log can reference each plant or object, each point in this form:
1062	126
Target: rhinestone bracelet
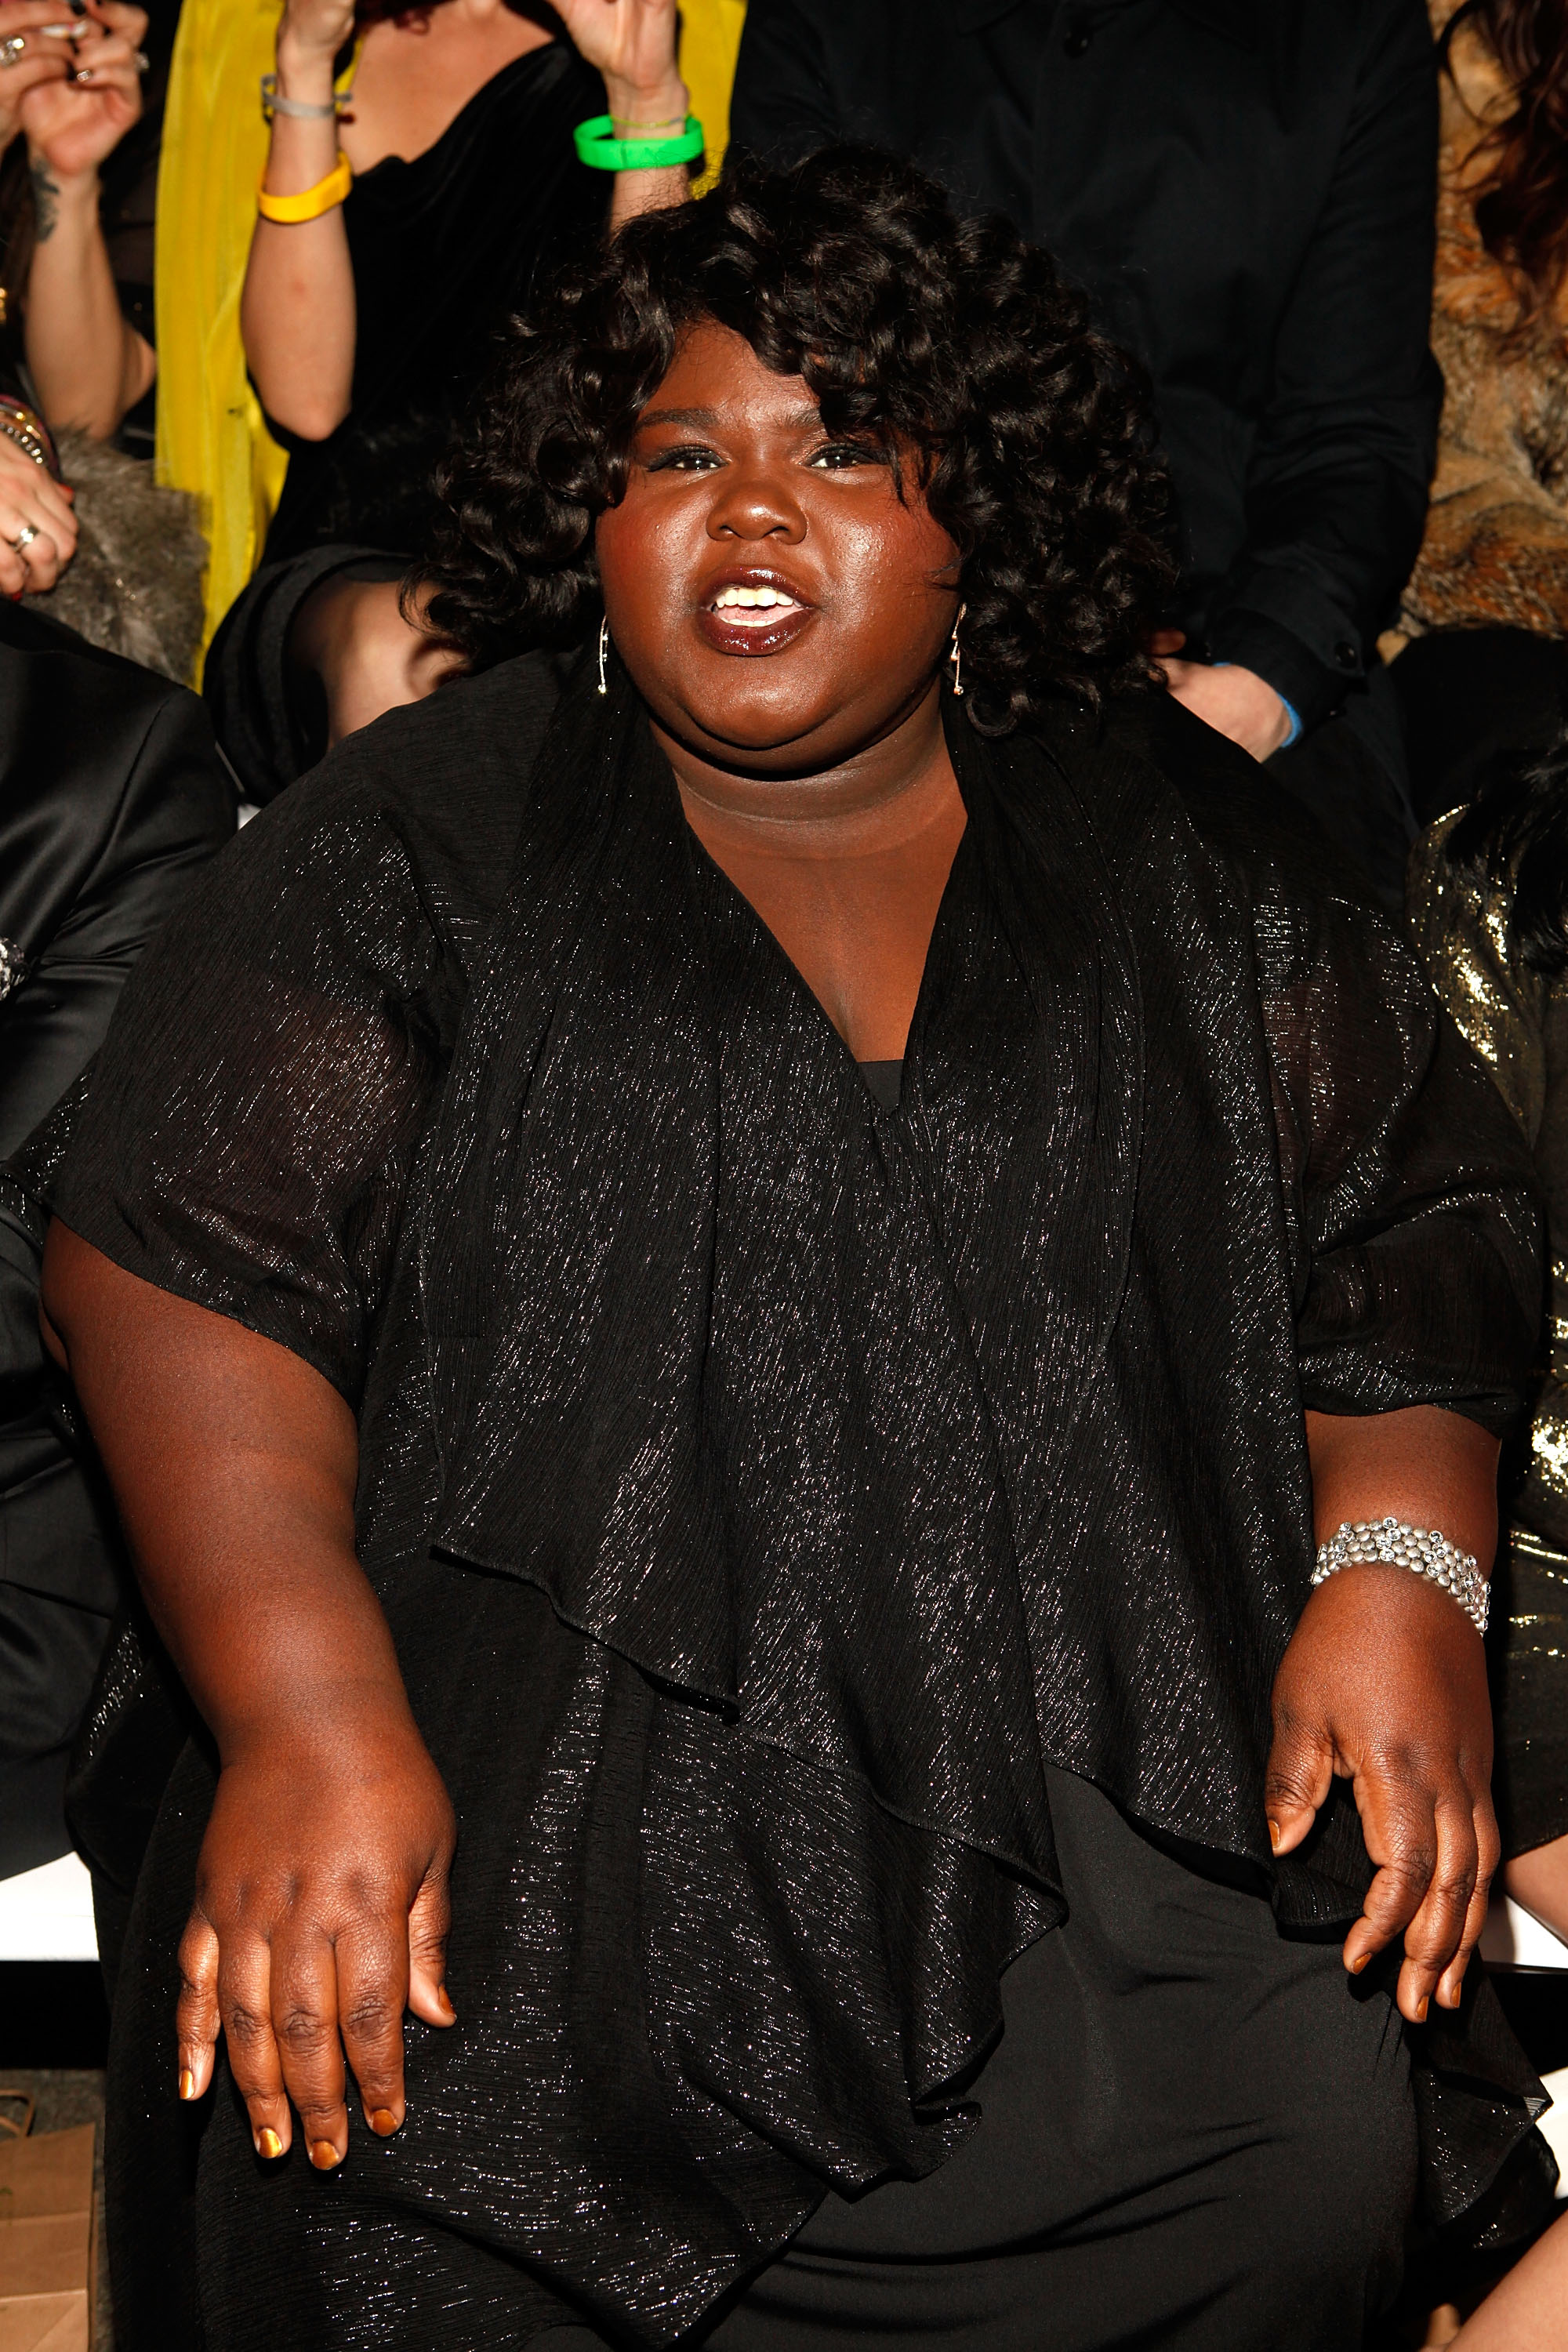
1421	1549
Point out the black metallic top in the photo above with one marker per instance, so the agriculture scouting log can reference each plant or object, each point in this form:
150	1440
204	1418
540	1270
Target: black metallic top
764	1484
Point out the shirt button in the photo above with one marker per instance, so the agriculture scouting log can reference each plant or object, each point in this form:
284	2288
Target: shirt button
1346	655
1078	37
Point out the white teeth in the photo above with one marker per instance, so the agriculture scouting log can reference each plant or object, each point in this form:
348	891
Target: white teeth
761	599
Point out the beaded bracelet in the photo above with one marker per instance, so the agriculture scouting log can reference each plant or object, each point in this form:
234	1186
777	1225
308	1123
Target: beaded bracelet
597	145
298	110
1421	1549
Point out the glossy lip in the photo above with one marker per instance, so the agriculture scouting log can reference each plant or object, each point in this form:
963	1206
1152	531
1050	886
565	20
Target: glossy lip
736	637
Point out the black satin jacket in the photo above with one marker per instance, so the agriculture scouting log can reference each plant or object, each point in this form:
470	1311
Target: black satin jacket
1249	192
761	1482
111	795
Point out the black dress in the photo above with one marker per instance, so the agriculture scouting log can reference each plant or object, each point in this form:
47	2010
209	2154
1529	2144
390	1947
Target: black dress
813	1532
444	248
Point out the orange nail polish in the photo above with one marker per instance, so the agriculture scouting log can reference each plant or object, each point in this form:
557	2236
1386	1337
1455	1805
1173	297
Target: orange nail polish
445	1998
1359	1963
1275	1834
382	2122
1421	2007
187	2084
268	2144
323	2155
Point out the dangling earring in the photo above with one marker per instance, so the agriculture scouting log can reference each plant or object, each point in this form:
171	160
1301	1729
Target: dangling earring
956	655
604	649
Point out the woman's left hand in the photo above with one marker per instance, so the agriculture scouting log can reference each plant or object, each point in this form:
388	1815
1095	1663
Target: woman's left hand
1385	1682
72	125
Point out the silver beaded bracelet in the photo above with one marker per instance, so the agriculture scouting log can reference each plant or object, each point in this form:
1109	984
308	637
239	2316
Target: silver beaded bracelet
1421	1549
298	108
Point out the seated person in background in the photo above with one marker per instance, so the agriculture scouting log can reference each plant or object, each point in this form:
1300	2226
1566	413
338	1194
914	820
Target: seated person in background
368	326
111	794
699	1293
1486	604
1247	194
74	361
1488	907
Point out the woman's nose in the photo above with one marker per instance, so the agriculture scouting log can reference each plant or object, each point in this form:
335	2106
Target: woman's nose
755	505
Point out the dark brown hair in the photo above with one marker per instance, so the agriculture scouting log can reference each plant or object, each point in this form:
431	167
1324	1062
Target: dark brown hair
1522	209
953	341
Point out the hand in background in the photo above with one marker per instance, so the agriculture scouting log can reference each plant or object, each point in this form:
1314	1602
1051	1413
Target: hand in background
633	44
316	28
72	124
1232	700
32	499
45	58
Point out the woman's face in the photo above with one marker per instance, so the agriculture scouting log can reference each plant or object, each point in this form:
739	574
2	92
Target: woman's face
776	604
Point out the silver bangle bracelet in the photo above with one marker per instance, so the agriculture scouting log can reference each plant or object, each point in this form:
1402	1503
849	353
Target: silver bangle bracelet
298	107
1423	1551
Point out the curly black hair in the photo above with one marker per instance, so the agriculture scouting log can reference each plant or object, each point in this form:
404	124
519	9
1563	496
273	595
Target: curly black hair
956	344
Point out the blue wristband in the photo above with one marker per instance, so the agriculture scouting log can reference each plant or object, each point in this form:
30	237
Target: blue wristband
1291	713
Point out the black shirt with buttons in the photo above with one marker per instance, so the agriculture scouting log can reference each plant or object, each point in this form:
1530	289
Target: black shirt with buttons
1247	189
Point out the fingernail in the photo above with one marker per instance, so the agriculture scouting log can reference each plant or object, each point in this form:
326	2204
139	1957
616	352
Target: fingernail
445	1998
323	2155
187	2084
1359	1963
382	2122
1275	1834
1421	2007
268	2144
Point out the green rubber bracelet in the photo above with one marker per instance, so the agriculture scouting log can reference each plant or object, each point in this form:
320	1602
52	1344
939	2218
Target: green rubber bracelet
596	144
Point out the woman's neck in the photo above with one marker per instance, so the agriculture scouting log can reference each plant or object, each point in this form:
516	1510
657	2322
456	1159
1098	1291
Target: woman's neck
417	74
846	868
877	795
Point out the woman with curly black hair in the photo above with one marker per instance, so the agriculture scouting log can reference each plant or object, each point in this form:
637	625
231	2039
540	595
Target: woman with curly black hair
719	1303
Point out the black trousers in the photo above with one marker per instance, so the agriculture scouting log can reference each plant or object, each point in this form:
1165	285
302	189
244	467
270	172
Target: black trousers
1195	2133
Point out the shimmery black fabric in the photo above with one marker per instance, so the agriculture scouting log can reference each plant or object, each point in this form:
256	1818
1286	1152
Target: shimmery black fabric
766	1488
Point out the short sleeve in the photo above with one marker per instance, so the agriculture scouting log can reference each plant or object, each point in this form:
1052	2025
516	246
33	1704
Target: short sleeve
1410	1188
251	1122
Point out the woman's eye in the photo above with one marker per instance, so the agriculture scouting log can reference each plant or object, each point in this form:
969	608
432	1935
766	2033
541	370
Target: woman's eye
839	454
683	461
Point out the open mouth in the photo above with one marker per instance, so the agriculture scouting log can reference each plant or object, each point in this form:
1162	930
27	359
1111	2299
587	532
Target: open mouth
752	613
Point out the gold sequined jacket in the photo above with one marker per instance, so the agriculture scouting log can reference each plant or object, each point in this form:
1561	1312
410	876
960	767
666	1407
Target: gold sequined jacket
1517	1021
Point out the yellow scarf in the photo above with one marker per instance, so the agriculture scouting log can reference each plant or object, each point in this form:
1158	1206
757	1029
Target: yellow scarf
710	41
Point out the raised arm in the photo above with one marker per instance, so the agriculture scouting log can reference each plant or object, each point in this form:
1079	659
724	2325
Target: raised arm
633	44
297	312
88	362
320	1899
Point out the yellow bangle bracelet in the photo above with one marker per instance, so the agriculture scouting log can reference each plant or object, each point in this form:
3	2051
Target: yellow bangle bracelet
310	202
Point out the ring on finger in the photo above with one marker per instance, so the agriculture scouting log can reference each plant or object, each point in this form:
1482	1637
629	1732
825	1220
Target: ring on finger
12	50
25	538
141	61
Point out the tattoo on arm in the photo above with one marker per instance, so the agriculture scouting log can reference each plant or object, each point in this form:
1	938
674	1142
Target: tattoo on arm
45	201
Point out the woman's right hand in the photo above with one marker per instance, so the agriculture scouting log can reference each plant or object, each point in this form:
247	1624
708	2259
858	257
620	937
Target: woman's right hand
31	500
321	1915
